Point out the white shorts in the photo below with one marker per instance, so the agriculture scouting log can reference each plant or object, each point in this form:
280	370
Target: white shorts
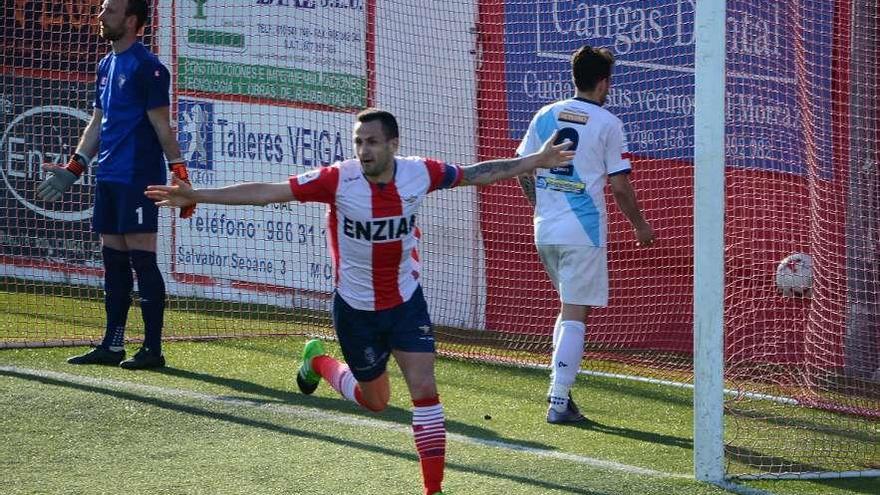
579	273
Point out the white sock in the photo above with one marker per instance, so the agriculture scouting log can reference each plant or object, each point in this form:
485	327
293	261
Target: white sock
556	331
556	327
567	356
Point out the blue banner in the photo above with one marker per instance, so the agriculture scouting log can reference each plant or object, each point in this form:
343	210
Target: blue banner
653	81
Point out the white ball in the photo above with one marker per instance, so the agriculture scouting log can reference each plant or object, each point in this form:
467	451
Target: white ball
794	275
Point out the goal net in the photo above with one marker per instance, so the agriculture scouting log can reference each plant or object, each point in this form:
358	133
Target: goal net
265	89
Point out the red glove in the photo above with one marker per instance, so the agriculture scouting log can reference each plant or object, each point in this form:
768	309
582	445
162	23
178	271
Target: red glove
178	168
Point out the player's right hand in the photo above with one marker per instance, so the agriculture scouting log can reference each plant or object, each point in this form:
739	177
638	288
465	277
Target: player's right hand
61	178
553	154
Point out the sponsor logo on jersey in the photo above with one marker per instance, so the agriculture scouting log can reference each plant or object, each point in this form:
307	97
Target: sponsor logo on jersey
379	230
561	185
566	170
573	117
307	177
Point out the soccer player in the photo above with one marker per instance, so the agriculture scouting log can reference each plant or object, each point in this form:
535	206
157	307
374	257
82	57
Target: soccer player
570	218
129	130
378	307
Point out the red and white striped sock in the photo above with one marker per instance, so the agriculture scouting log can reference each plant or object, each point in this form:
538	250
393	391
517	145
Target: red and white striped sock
339	376
429	432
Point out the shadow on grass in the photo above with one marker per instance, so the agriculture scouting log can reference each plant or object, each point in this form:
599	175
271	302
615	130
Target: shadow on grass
850	484
644	436
643	391
283	346
294	432
403	416
391	414
775	419
760	461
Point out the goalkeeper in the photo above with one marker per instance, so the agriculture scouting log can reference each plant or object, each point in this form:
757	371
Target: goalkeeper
129	131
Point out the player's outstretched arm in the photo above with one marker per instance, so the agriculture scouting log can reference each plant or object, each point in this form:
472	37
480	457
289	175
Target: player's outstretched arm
181	195
60	178
550	155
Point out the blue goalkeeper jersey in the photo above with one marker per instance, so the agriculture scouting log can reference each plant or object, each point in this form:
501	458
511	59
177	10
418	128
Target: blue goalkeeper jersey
129	84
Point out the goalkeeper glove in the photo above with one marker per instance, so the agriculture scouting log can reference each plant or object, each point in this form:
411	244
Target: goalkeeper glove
61	179
178	168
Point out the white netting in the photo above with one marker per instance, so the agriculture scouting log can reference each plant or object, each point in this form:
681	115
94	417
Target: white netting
264	90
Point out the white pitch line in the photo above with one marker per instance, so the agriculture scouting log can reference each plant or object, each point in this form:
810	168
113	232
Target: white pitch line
339	418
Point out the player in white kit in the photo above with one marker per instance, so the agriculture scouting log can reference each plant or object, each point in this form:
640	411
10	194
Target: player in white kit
570	216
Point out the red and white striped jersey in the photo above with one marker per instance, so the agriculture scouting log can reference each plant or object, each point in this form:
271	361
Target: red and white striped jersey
373	231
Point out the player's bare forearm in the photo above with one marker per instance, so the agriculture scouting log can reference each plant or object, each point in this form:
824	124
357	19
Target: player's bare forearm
159	119
483	173
628	205
91	136
550	155
527	184
625	197
170	148
248	193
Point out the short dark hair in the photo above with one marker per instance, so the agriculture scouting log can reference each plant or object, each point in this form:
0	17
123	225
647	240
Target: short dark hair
139	9
389	123
590	65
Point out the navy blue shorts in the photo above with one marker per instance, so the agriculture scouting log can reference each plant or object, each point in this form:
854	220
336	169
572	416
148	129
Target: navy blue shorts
123	209
367	337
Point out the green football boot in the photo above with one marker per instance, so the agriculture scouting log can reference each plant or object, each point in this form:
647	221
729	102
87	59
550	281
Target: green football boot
306	379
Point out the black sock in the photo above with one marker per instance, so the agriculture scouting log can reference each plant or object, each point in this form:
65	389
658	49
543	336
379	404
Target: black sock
151	288
118	283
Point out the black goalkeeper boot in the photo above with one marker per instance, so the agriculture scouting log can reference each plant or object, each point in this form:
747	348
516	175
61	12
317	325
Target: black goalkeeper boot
98	355
144	359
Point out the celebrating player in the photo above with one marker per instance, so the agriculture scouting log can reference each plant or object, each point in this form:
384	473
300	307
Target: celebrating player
378	307
129	130
570	218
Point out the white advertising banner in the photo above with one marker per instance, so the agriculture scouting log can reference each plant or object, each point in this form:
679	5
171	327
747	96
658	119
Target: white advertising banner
282	245
311	51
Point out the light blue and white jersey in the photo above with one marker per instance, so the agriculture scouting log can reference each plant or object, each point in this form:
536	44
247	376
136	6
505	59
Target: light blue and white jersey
570	200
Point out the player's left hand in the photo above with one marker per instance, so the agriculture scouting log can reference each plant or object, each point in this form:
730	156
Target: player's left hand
645	235
178	169
178	195
555	155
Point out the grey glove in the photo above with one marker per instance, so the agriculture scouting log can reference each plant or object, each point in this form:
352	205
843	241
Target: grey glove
56	184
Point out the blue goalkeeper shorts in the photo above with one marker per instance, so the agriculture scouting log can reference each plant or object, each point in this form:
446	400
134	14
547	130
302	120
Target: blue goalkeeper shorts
123	209
367	337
